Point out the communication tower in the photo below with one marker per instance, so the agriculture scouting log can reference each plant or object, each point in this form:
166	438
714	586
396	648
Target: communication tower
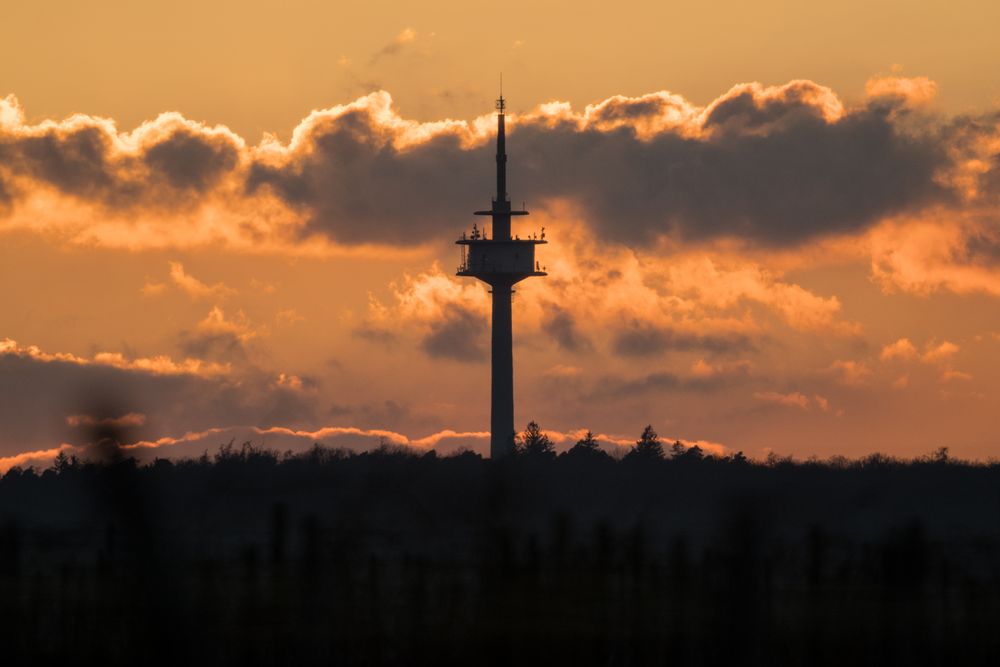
501	261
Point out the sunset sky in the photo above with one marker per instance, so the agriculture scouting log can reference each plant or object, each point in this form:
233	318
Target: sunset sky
773	227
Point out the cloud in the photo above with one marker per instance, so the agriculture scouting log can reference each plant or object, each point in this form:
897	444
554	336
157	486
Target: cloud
195	288
849	372
278	438
598	299
901	349
770	166
39	457
295	382
703	369
289	317
560	371
717	283
839	172
941	250
449	317
616	387
691	174
940	354
794	399
45	398
641	340
361	174
561	325
220	338
351	438
904	350
166	163
127	420
402	38
948	375
460	335
188	284
943	351
914	90
642	305
755	109
157	365
645	116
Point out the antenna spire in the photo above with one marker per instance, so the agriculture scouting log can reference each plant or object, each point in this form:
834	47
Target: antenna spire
502	161
501	104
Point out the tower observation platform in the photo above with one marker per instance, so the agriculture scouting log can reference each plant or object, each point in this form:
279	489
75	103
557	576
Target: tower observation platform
501	261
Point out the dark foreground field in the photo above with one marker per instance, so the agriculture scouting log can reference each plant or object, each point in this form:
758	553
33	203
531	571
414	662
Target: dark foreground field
390	558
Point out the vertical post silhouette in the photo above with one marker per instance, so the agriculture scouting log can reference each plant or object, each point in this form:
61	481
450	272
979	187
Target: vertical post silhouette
501	262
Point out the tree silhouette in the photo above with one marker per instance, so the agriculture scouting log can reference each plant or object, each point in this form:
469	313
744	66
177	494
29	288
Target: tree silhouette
686	454
587	448
587	442
339	557
647	447
535	443
61	462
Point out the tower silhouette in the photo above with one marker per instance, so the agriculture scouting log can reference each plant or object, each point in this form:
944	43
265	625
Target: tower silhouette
501	262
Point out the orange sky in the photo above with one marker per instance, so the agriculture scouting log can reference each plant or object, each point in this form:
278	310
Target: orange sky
808	264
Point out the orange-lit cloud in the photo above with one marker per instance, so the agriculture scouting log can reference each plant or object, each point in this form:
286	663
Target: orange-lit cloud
48	397
938	352
756	109
360	175
127	420
610	299
927	255
396	44
900	349
850	372
283	440
913	90
188	284
934	352
949	374
39	457
448	315
158	365
794	399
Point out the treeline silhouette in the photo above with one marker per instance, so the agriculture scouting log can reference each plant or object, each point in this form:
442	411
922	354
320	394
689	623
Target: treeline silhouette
395	557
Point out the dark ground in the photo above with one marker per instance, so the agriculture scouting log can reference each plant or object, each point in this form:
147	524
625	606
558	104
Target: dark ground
397	559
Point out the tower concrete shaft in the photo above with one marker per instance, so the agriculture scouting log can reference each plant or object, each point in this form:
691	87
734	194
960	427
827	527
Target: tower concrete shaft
502	385
501	262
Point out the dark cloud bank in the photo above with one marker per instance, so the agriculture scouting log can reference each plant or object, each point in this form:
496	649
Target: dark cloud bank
81	159
774	176
37	396
774	169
